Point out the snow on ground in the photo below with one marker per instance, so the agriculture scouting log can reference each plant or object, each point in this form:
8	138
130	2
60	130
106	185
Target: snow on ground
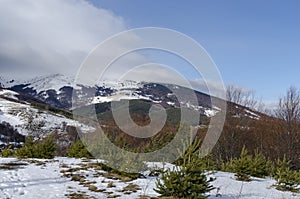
64	177
32	181
6	109
47	180
258	188
26	119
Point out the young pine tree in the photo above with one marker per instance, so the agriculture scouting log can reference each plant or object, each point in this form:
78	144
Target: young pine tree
261	166
186	181
45	149
78	150
27	151
37	149
242	166
286	179
247	165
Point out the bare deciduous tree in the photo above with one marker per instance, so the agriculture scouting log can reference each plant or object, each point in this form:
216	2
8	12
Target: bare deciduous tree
241	96
289	112
289	106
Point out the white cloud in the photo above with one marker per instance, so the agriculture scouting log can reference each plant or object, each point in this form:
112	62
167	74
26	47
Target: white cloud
160	73
40	37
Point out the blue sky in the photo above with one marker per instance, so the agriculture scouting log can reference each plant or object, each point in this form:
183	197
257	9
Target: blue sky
255	44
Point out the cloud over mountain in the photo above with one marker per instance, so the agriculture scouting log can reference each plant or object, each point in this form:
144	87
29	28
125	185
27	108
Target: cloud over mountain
51	36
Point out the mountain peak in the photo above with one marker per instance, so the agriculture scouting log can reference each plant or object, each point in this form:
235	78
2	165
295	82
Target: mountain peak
48	82
6	81
40	83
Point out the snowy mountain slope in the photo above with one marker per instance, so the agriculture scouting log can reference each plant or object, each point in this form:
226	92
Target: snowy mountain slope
9	94
54	82
39	84
45	179
28	120
6	82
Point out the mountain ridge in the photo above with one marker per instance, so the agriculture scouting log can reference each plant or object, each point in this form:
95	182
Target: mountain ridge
57	90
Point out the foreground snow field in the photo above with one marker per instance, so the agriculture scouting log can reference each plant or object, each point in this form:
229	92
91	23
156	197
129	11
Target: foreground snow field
66	177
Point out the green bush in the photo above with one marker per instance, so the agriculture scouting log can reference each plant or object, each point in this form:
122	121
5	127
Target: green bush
188	180
286	179
27	151
121	160
8	152
78	150
247	165
44	149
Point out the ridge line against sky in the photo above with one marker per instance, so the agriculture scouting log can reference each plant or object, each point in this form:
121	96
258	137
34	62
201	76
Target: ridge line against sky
255	44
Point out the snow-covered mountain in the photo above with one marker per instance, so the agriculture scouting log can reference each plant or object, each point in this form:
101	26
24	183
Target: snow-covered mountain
57	90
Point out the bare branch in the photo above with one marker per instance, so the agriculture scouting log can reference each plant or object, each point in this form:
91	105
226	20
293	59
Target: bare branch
241	96
289	106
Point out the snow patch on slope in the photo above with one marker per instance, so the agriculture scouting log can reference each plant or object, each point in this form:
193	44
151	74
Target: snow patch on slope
252	115
28	120
8	93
